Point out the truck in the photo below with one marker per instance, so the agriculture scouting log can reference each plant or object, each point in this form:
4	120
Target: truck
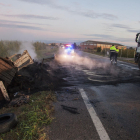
137	55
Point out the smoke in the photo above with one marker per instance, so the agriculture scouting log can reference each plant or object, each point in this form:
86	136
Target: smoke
97	65
81	60
29	47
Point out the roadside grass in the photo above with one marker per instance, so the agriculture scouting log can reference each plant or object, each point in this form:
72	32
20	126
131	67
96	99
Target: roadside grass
33	118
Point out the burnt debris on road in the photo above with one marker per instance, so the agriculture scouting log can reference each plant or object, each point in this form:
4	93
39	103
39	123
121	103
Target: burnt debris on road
25	76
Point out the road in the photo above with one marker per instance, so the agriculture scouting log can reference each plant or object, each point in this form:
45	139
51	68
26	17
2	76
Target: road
105	100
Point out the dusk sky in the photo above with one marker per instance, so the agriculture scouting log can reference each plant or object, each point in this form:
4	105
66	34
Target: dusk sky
67	21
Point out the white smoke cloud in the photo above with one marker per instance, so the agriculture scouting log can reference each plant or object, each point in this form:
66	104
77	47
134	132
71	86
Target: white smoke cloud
81	60
29	47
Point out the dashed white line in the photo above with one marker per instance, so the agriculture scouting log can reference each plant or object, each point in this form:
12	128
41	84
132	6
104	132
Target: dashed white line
97	123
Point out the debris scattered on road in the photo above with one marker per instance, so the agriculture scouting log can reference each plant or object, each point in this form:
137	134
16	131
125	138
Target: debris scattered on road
22	74
94	102
7	71
3	91
16	94
23	99
46	59
23	60
76	99
70	109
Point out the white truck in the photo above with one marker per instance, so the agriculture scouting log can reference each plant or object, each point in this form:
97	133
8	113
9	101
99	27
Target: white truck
137	55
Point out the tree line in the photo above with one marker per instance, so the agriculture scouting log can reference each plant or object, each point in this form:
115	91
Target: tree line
39	46
7	48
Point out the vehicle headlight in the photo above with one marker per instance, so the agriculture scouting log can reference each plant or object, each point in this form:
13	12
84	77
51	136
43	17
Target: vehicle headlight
72	51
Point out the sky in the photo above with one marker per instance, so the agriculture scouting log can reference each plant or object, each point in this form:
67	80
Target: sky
69	21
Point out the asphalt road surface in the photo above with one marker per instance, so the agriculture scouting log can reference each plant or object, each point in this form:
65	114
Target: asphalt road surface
101	103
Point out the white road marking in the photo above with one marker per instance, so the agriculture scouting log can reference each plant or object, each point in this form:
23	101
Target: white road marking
101	80
97	123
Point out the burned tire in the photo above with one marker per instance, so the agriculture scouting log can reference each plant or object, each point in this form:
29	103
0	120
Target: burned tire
7	122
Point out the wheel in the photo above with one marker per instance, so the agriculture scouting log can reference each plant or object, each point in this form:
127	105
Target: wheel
136	58
7	122
139	63
111	60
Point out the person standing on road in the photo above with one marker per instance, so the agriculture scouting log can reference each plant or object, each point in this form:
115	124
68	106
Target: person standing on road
112	52
117	51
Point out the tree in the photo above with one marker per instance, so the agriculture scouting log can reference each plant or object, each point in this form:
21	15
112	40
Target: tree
52	44
98	49
131	48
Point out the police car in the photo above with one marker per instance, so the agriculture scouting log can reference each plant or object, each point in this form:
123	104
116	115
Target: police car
68	50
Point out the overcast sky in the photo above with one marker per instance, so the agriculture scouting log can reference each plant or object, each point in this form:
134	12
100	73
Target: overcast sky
115	21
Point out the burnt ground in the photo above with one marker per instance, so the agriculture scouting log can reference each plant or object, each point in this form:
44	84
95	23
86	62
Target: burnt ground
54	74
72	120
37	77
109	75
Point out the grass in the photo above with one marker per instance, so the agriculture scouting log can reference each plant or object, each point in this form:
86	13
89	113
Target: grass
33	118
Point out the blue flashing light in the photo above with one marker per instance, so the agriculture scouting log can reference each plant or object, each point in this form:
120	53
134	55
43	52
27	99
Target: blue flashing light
69	49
